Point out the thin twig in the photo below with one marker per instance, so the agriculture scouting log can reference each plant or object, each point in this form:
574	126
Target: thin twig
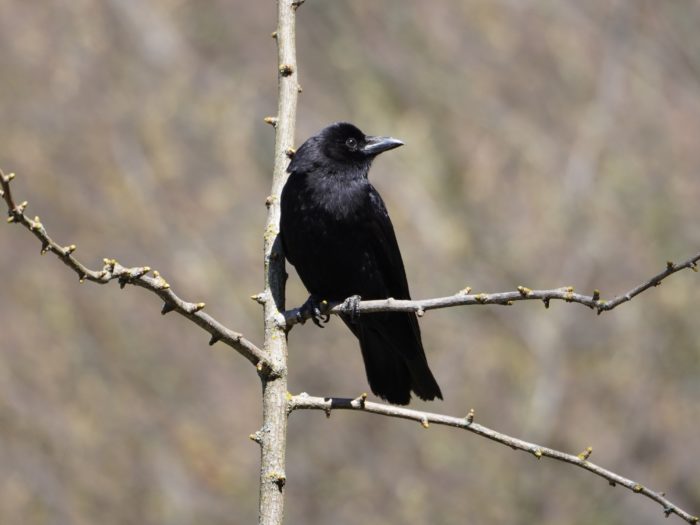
466	298
304	401
137	276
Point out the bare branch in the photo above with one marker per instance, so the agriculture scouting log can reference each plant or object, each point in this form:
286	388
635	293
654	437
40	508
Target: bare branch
304	401
137	276
466	298
273	436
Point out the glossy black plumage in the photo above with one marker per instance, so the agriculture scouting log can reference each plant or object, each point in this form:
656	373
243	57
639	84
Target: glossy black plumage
337	233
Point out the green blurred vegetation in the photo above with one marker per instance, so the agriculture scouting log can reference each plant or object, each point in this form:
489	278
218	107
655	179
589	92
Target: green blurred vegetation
547	144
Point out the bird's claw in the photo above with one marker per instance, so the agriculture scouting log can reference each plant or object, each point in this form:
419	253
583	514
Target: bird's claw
352	304
315	310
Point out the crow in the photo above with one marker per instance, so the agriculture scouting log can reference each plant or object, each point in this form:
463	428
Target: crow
336	232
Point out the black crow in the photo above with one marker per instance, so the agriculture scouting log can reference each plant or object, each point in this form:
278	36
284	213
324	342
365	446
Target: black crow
337	233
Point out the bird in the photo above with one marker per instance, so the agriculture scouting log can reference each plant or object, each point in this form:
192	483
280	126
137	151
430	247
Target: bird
336	232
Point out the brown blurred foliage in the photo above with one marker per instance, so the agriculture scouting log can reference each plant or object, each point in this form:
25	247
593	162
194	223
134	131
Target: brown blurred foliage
547	144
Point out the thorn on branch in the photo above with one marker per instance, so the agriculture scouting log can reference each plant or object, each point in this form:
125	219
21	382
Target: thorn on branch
256	436
273	34
297	3
424	422
546	302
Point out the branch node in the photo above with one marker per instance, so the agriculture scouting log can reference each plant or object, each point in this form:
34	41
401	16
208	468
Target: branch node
481	298
466	290
167	308
197	307
612	483
286	70
470	416
256	436
670	265
290	152
583	456
297	3
215	338
45	247
272	121
69	249
637	488
424	422
524	291
596	295
273	34
694	267
259	298
537	453
361	400
546	302
667	511
81	277
420	312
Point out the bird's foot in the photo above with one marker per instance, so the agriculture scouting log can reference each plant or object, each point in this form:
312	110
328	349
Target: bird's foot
314	309
352	304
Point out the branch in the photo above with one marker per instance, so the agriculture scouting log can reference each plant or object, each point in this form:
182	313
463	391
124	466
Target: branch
137	276
272	437
466	298
304	401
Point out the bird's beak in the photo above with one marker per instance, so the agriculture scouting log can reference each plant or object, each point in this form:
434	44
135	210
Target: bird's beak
377	145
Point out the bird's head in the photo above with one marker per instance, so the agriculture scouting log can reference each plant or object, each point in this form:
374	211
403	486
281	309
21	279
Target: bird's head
340	148
344	142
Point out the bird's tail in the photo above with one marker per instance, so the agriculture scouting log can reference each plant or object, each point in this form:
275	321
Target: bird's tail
394	358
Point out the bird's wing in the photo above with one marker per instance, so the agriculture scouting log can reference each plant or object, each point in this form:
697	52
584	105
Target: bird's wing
386	249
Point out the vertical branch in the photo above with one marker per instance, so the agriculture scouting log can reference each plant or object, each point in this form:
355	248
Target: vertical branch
273	435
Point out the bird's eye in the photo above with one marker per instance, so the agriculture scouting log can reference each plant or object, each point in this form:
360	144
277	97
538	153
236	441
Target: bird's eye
351	143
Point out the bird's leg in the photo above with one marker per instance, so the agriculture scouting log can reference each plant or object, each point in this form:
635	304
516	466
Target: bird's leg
314	309
352	303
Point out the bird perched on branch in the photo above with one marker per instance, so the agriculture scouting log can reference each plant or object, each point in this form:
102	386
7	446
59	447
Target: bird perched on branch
337	233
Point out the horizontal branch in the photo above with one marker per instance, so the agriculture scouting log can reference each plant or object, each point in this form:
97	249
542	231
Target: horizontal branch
137	276
304	401
466	298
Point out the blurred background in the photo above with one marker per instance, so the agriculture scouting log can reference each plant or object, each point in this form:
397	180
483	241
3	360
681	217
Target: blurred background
547	144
